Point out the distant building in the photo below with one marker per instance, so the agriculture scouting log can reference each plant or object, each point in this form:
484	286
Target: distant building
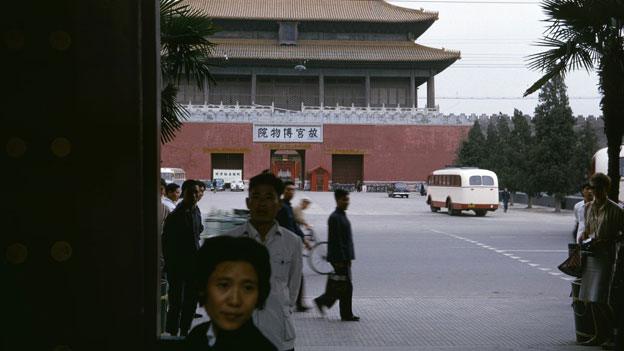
318	91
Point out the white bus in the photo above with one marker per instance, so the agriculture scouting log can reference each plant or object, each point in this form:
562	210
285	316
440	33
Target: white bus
600	163
463	188
173	175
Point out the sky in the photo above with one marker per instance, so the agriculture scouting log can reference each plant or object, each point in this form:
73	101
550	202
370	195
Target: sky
494	37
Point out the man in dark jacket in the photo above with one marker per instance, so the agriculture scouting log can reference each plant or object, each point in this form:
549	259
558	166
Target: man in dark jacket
505	196
340	253
180	242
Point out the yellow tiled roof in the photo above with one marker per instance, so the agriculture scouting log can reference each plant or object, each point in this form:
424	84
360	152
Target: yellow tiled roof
312	10
331	50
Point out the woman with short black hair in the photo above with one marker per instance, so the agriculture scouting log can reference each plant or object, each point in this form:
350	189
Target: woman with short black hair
232	279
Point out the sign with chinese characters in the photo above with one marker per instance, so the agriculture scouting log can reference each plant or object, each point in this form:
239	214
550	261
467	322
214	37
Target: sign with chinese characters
288	133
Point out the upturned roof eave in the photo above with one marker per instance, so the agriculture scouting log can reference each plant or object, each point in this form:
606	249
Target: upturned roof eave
383	13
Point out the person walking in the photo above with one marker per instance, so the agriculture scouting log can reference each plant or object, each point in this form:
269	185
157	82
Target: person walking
603	225
286	218
340	253
180	240
304	203
505	196
275	321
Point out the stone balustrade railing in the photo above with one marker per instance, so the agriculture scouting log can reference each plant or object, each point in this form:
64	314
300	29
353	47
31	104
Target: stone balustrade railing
395	115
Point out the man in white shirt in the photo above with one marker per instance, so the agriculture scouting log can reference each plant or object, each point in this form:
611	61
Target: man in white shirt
275	321
172	195
579	211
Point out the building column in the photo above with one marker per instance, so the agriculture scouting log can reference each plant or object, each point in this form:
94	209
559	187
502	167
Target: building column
416	97
253	87
430	93
206	92
368	89
321	89
413	90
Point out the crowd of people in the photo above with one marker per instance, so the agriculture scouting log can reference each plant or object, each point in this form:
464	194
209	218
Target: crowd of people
248	280
599	229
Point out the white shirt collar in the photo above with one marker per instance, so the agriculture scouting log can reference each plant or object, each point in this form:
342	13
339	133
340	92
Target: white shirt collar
210	335
252	232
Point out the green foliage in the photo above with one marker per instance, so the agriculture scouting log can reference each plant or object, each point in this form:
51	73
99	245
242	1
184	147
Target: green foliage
586	147
550	157
555	141
501	160
492	143
520	149
184	51
587	34
472	150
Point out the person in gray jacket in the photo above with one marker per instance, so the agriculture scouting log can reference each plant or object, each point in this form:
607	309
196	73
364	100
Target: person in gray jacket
275	321
340	253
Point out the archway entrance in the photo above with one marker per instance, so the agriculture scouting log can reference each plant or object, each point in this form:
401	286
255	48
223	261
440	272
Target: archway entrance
288	165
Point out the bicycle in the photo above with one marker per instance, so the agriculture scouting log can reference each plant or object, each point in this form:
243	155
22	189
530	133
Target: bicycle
316	253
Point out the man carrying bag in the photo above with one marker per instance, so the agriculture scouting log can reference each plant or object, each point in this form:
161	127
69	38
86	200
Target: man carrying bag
340	253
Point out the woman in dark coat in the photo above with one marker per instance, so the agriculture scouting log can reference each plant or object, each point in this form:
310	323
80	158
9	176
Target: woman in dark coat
604	220
232	280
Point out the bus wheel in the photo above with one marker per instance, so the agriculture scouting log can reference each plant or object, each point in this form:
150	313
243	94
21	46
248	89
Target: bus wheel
434	209
449	206
480	213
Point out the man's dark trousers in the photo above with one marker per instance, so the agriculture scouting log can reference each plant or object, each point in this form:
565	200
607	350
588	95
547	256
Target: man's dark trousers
182	302
339	287
180	244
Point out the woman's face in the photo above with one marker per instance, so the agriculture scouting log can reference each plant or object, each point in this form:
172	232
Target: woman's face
231	294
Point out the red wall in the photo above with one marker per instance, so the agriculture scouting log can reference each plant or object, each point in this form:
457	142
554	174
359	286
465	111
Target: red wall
390	152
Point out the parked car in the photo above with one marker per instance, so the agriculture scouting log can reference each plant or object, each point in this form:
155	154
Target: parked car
237	185
220	184
207	183
398	190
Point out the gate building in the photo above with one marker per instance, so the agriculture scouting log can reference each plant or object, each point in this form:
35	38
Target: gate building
317	91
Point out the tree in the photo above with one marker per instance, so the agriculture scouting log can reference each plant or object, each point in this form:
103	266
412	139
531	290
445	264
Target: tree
587	34
472	149
490	151
555	142
183	55
586	147
501	156
520	156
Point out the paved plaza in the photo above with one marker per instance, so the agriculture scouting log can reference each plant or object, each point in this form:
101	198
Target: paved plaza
429	281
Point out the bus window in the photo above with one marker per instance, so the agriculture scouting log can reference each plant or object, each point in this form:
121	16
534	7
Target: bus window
475	180
456	180
487	180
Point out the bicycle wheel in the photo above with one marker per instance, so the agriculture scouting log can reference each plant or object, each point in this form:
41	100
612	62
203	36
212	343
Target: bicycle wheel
317	259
